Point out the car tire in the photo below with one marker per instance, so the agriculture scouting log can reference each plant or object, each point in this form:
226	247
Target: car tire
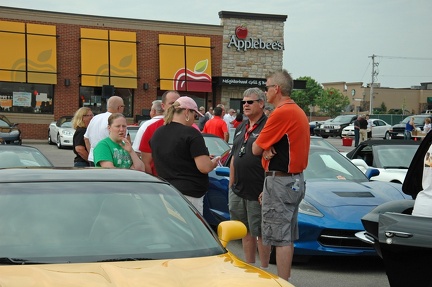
59	145
324	137
49	138
387	136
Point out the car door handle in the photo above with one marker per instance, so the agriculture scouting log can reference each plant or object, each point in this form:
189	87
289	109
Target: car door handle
390	234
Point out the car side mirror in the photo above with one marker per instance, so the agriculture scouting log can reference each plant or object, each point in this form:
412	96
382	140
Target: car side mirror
370	172
222	171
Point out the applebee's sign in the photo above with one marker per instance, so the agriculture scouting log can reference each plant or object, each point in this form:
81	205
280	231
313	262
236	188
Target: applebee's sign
240	41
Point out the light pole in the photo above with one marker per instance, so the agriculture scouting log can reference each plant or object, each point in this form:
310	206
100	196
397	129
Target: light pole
374	74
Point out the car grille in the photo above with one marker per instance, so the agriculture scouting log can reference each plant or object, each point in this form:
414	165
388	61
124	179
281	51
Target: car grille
341	238
398	129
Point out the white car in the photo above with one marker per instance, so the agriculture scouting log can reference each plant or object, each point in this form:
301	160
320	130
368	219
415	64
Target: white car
380	129
391	158
61	132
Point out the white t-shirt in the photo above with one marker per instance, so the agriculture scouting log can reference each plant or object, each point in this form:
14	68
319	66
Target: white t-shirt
141	131
423	202
97	130
228	119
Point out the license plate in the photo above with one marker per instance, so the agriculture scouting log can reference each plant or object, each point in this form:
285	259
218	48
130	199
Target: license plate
327	131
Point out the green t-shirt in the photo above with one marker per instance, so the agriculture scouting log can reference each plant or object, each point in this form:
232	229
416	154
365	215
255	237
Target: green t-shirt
107	150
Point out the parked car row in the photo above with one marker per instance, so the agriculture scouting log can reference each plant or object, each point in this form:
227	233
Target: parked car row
380	129
334	127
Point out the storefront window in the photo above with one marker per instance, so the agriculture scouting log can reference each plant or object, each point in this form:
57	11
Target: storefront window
92	97
26	98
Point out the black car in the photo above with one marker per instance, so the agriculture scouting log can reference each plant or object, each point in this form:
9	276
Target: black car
9	132
403	240
335	127
397	131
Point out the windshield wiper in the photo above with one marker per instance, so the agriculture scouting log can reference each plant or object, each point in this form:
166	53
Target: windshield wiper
124	259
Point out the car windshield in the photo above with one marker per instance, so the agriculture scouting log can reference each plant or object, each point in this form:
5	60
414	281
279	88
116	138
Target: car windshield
67	124
22	157
217	147
4	124
318	141
326	164
343	119
393	156
58	222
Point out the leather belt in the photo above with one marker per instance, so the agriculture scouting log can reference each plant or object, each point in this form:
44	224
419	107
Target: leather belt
279	173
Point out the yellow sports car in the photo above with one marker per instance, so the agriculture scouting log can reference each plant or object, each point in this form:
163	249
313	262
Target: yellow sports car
112	227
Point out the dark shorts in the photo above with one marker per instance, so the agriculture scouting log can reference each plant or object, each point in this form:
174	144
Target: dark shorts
281	198
246	211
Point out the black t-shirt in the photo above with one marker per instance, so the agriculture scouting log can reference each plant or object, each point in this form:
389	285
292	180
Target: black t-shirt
363	124
248	171
174	147
78	139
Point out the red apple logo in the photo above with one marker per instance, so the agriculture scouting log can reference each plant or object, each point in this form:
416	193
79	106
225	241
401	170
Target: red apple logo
193	81
241	32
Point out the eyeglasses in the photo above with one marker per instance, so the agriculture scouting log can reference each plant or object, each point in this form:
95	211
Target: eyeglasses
250	102
266	88
121	106
88	115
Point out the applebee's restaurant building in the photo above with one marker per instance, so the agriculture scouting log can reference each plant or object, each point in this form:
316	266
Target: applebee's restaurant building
53	63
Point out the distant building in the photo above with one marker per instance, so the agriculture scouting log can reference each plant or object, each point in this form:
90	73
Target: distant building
415	99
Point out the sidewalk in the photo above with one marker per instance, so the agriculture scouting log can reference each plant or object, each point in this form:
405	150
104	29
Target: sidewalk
33	141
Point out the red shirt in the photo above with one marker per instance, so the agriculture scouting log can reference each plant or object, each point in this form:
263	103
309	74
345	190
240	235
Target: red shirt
287	130
216	126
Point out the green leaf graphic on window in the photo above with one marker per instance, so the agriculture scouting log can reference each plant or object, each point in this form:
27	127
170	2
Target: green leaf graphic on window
201	66
125	61
44	55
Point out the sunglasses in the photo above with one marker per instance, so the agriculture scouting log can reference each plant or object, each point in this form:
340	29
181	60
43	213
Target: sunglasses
250	102
266	88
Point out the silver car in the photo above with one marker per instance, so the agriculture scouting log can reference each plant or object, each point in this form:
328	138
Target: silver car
61	132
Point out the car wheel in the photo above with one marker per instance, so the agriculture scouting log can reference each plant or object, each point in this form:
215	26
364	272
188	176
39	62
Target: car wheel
49	138
387	136
59	145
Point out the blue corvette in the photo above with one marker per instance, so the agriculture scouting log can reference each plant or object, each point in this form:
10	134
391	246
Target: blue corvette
338	195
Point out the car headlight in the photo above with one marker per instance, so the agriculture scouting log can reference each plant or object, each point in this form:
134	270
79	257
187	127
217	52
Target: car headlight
307	208
67	133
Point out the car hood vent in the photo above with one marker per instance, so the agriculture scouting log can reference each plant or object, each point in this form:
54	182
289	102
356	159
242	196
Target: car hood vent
353	194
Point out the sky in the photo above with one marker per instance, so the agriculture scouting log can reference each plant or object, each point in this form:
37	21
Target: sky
327	40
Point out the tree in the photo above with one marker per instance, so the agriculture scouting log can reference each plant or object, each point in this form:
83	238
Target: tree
306	98
332	101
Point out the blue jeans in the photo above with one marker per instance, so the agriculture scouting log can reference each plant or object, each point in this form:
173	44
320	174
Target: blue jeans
81	164
407	135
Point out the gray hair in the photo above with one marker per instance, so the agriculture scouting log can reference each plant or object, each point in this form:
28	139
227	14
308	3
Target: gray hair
255	91
284	80
157	106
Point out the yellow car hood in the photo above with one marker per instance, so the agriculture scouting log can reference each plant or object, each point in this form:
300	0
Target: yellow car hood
222	270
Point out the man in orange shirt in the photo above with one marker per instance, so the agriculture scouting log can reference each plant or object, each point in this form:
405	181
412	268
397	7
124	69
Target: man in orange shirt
217	126
284	145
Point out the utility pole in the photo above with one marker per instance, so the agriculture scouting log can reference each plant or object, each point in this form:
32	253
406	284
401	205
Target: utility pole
374	74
